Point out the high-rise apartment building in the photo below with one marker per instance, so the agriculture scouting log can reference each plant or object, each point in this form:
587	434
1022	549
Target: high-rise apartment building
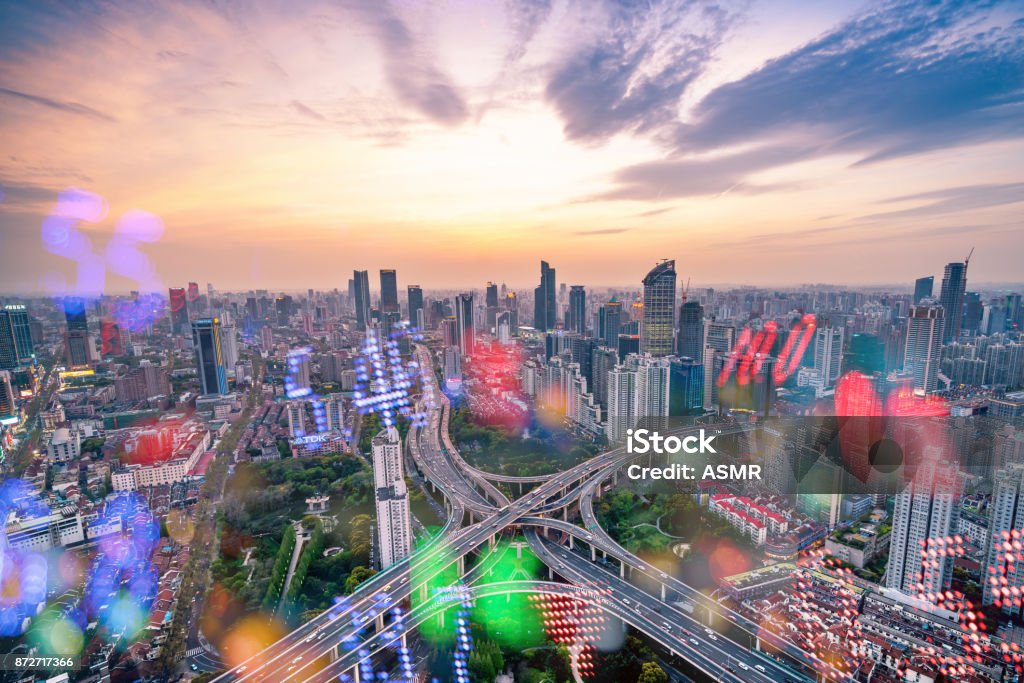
926	512
690	342
951	298
577	319
8	407
545	300
394	520
923	351
491	305
923	287
206	341
361	300
1004	580
656	336
621	402
334	407
828	353
178	305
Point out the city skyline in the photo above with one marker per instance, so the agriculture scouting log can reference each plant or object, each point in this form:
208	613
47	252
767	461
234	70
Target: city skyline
598	137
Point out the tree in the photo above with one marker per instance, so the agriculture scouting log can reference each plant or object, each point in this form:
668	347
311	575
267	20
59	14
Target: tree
358	575
652	673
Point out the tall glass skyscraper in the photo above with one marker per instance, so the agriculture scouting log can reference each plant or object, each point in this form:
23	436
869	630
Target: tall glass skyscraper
577	321
15	336
923	351
388	291
416	318
209	356
659	309
690	343
923	287
951	298
545	301
361	286
609	323
464	323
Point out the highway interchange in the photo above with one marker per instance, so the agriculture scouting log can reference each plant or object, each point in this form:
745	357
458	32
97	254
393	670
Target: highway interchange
470	493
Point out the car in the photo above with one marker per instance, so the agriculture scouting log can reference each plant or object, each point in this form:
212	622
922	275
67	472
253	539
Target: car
664	575
242	669
195	668
760	667
744	666
713	637
694	641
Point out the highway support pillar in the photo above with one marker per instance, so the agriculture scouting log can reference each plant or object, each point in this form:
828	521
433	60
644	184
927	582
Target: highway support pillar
379	622
622	569
663	592
565	514
571	545
462	565
593	553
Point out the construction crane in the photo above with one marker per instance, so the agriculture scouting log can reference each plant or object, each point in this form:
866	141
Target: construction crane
968	259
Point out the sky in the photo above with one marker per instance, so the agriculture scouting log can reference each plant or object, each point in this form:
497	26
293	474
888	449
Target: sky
280	145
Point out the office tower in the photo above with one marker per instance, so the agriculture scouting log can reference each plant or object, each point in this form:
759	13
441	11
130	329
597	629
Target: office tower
416	317
193	292
75	314
925	512
504	327
77	348
7	404
267	338
628	343
686	386
545	304
15	337
361	283
951	298
721	337
828	353
603	361
582	351
1004	578
451	365
659	309
609	323
210	365
748	386
557	343
923	351
621	402
993	318
296	418
866	354
511	304
690	342
283	308
334	408
973	310
923	287
491	305
464	323
394	521
577	319
388	291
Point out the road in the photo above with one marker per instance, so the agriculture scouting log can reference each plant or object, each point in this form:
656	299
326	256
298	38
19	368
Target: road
300	655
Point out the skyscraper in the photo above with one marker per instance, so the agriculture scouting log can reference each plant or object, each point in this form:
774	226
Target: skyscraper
690	342
209	356
577	321
659	309
7	405
866	354
1006	527
923	287
178	309
388	291
416	318
334	407
951	298
394	521
464	323
621	402
973	310
686	387
545	302
15	336
828	353
609	323
925	510
361	284
603	360
491	304
296	418
652	389
75	314
922	354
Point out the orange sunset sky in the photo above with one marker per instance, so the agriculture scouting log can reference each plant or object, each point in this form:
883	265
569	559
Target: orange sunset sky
284	144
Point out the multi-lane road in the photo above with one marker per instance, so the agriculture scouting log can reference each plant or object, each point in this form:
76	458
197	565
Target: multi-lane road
315	651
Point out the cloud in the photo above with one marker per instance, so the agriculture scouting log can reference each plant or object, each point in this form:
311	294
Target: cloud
307	111
902	79
955	199
632	75
605	231
416	81
688	177
57	105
